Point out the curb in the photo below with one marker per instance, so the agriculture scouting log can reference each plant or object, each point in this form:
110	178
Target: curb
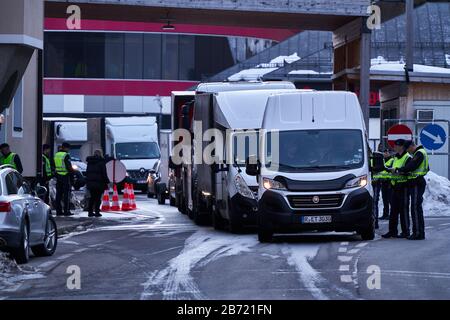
63	230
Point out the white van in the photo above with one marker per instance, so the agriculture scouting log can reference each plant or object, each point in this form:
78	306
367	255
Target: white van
313	166
233	194
134	141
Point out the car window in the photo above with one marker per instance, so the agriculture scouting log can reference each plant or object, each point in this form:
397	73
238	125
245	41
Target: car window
11	184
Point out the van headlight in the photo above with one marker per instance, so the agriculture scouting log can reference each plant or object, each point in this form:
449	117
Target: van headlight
270	184
242	187
359	182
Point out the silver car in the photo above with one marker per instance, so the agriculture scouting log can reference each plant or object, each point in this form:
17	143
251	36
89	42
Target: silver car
26	222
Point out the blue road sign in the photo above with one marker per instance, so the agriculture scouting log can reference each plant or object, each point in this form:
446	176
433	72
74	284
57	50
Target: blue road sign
433	137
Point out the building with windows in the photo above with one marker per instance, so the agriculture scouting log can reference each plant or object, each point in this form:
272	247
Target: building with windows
118	63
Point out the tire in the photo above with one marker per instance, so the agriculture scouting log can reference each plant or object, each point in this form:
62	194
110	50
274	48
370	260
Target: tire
217	221
48	248
22	254
368	234
265	236
234	225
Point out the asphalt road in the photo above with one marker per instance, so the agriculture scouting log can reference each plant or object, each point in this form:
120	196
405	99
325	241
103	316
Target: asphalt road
162	255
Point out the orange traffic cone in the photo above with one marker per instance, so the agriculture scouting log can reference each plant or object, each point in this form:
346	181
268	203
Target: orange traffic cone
115	200
105	203
126	199
132	198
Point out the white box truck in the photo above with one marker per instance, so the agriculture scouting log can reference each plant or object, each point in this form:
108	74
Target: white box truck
183	109
134	141
313	166
224	191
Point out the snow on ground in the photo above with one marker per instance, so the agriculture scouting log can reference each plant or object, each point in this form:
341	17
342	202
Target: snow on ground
12	275
436	200
203	247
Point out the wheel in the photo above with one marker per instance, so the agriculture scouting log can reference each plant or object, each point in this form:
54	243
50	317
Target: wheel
265	236
48	248
234	224
173	202
161	198
217	221
368	234
22	254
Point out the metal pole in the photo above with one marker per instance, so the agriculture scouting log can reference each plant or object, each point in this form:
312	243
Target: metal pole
364	95
40	111
410	35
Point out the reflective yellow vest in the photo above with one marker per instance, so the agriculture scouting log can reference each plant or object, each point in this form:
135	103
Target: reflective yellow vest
60	165
384	175
48	166
424	167
9	160
397	164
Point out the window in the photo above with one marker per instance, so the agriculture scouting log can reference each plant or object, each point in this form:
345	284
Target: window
315	150
11	184
187	58
94	55
18	112
137	150
114	55
134	55
170	57
152	56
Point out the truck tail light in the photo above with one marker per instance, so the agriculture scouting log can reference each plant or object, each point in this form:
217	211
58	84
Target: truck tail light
5	206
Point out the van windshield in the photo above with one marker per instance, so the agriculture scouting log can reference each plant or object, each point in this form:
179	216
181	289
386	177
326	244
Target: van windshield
137	150
315	150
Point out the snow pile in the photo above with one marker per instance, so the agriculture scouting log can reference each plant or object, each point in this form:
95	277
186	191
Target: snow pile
262	69
7	265
308	72
381	64
251	74
436	200
11	274
285	59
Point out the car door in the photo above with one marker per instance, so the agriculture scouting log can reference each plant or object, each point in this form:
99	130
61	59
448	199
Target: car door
27	200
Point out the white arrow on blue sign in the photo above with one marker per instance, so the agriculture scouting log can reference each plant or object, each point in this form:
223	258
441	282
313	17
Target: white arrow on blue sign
433	137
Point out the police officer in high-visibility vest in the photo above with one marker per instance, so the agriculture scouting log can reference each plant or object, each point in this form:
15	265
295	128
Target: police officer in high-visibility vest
63	170
400	195
379	181
417	168
386	187
10	158
48	170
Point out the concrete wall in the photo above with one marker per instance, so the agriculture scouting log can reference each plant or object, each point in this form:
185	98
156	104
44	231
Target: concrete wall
25	143
21	26
333	7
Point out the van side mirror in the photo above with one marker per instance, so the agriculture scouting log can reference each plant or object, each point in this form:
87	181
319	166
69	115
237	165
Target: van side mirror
252	166
377	162
218	167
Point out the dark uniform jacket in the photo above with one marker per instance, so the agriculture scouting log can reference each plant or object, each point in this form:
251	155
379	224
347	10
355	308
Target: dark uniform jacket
96	176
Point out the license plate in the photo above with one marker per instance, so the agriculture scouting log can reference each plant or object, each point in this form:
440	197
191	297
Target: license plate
142	181
316	219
